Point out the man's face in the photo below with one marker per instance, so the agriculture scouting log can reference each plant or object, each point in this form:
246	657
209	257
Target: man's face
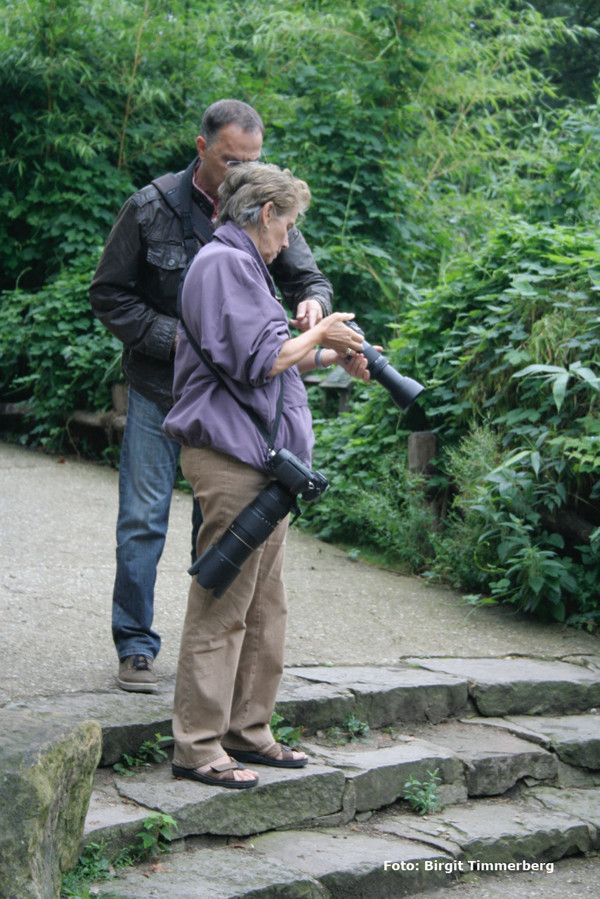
232	144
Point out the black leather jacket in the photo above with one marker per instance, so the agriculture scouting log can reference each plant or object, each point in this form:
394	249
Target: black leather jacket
134	289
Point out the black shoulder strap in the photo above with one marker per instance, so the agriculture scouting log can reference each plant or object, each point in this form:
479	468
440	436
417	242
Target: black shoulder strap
269	438
177	191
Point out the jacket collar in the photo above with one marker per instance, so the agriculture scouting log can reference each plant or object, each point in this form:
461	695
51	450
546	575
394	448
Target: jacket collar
232	235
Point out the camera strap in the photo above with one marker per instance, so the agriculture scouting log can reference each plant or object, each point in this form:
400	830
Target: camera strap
269	437
177	191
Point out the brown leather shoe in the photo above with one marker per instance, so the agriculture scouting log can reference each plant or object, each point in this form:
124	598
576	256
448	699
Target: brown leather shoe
136	675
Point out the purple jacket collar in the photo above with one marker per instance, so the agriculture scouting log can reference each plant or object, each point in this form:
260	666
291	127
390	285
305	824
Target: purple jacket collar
234	236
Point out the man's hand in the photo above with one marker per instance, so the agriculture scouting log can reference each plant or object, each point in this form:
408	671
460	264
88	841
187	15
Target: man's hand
308	313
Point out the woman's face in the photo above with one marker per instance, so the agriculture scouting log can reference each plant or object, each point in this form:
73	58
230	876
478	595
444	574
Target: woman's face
273	236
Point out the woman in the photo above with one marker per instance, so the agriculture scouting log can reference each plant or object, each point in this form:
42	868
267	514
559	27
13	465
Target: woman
231	656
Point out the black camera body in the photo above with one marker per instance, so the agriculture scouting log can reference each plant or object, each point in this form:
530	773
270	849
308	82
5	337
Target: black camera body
219	565
296	476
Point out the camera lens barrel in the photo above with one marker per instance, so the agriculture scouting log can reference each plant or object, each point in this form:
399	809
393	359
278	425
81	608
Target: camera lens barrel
220	564
402	390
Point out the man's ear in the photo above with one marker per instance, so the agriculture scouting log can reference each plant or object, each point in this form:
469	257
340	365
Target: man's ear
201	146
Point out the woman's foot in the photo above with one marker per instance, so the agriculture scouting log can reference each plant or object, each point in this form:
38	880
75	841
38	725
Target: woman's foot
287	754
225	764
223	772
277	756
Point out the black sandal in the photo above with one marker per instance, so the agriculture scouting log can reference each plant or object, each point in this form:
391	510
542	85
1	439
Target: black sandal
221	777
269	757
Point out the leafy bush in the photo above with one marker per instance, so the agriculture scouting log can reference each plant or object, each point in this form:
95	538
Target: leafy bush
509	347
57	357
92	99
451	186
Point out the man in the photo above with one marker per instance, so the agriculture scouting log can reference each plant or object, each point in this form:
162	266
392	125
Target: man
134	293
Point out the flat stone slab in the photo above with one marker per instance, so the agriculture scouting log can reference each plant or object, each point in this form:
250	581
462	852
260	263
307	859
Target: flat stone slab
312	703
127	719
518	686
388	695
580	803
318	697
574	738
313	697
394	855
307	864
111	816
378	776
351	862
283	798
230	872
494	831
495	759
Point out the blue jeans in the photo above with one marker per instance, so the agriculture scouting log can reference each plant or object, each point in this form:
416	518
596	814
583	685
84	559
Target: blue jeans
147	473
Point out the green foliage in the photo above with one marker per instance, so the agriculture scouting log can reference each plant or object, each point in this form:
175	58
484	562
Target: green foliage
56	356
93	100
157	833
150	751
537	308
422	796
352	731
509	346
93	864
97	863
284	732
574	66
456	193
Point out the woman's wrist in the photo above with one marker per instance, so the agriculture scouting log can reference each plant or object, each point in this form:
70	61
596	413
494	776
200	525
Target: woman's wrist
319	361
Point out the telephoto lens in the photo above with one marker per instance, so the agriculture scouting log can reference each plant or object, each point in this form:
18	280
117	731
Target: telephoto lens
402	390
220	564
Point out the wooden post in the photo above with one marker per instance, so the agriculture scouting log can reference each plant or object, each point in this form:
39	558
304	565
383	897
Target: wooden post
422	447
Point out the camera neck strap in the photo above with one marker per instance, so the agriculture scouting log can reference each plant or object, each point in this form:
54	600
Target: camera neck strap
268	436
177	191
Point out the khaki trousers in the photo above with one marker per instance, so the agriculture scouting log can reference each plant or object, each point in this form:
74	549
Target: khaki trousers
231	655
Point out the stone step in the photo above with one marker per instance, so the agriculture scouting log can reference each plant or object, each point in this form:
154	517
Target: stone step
395	853
415	691
470	757
486	727
524	686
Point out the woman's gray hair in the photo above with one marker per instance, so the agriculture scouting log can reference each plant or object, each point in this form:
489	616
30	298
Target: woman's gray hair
249	186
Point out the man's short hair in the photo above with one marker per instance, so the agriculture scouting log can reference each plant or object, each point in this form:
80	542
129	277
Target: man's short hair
228	112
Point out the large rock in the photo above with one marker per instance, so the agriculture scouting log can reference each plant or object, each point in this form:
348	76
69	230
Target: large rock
47	766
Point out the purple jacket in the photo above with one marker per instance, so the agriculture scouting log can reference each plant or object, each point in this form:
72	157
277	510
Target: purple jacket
230	307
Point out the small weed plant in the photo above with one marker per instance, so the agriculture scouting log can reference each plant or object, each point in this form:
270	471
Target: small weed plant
284	732
95	865
352	731
150	751
422	796
156	835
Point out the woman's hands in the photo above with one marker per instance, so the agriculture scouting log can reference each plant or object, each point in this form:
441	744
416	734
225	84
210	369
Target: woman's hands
330	332
355	363
337	336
